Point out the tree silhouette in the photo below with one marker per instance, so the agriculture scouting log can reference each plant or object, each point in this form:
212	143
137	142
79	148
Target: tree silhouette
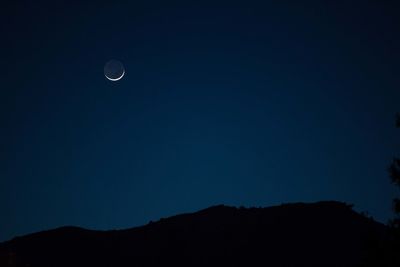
394	171
386	252
392	246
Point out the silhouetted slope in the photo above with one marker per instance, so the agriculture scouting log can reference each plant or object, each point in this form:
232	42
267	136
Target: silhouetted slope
320	234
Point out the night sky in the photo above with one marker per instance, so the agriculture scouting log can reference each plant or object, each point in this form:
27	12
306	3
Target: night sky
250	103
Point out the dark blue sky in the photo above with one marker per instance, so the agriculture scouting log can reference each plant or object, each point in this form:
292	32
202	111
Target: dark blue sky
249	104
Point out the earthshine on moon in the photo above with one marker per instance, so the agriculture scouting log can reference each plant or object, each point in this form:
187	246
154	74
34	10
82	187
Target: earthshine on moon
114	70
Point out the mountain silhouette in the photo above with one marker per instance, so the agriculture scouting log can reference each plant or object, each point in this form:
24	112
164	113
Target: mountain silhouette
325	233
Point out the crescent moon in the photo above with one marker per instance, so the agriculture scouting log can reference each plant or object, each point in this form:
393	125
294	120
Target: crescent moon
116	79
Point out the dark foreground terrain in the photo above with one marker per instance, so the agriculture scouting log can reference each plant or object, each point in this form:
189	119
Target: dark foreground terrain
319	234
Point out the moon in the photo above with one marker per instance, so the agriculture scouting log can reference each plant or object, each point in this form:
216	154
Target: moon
114	70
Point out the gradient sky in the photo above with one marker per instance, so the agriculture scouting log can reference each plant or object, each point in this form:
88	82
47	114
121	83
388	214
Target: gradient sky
250	104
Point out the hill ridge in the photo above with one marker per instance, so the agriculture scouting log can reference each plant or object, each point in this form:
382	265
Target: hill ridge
219	235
